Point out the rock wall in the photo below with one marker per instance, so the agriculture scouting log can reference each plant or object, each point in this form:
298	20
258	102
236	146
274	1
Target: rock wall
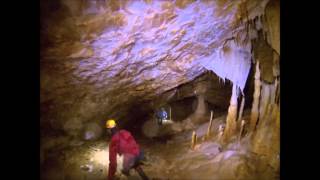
266	138
100	58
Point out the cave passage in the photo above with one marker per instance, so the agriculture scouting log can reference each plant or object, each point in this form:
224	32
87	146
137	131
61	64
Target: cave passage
212	66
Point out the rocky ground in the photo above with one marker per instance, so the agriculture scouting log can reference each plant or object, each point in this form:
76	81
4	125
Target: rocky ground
166	159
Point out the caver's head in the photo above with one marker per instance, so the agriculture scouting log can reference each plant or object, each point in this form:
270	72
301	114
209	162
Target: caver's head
111	126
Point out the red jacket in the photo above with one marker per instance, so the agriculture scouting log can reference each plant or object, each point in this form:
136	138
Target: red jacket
122	142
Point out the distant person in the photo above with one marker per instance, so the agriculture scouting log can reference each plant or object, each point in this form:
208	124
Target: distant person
161	115
123	143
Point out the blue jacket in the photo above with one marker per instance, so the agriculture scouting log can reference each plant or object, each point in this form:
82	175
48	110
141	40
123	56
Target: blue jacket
162	114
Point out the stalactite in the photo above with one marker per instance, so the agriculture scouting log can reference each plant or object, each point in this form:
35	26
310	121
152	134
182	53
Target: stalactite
241	130
266	94
277	94
256	97
241	108
232	115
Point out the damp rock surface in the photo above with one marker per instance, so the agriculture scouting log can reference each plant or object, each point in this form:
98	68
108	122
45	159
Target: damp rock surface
100	59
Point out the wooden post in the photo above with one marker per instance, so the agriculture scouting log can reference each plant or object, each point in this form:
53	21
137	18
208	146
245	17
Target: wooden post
210	124
170	113
193	140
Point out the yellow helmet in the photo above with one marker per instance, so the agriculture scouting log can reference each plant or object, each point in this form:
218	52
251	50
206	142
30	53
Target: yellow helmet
110	123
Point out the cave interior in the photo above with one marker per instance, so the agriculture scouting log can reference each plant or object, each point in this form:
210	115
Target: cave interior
214	66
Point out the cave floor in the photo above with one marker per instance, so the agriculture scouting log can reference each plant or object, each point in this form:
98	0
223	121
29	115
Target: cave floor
166	159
